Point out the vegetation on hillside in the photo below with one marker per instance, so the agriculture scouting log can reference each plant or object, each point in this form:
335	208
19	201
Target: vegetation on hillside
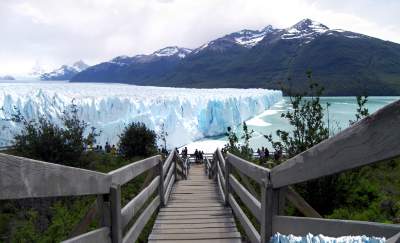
242	150
44	140
54	219
370	193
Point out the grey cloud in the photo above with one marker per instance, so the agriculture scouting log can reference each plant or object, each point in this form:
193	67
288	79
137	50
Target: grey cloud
59	32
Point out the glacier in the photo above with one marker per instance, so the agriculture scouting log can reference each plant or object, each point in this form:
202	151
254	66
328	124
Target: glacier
310	238
186	114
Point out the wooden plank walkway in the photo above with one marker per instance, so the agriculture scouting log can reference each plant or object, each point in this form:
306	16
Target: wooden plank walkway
195	213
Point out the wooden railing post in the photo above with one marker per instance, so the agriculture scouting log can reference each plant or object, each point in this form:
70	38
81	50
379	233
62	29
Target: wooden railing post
267	210
210	166
161	187
227	188
176	165
116	223
214	167
105	209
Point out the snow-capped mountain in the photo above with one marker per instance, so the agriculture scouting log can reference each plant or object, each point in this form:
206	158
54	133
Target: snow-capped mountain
244	38
65	72
37	71
306	29
139	67
172	51
250	38
346	63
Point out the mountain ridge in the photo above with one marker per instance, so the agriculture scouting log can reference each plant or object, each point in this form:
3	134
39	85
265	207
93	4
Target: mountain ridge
345	62
65	72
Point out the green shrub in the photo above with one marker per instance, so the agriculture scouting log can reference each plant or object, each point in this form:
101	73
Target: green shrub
137	140
42	139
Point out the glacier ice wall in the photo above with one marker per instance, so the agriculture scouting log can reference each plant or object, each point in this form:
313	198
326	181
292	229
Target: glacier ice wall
187	114
310	238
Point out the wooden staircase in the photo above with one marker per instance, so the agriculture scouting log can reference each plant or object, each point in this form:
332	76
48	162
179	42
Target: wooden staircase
195	213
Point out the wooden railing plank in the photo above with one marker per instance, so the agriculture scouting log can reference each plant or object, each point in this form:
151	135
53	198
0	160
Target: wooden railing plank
301	204
249	200
247	184
248	227
130	209
168	161
168	189
331	227
221	177
28	178
101	235
256	172
124	174
220	188
221	159
136	229
169	175
92	213
374	138
394	239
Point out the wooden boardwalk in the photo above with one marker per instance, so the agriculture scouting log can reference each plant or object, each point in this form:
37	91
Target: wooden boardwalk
195	213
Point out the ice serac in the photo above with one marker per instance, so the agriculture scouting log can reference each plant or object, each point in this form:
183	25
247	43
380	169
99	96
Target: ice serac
187	114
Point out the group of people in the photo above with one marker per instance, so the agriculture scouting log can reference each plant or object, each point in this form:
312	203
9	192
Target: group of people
264	154
109	149
184	152
198	155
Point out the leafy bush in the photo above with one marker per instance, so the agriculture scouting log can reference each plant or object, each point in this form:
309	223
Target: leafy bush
137	140
309	129
233	146
45	140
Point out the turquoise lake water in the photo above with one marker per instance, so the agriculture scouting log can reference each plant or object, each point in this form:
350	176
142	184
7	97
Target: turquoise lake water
341	110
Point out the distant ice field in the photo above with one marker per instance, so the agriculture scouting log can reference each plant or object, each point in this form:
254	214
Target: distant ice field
187	115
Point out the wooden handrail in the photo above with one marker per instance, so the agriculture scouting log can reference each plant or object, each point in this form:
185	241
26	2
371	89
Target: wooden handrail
169	175
28	178
366	142
101	235
255	172
168	162
373	139
394	239
129	172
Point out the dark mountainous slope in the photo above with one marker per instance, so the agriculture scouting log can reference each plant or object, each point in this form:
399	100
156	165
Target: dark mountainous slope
346	63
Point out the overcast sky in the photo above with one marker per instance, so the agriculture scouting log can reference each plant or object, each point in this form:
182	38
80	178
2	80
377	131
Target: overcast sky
55	32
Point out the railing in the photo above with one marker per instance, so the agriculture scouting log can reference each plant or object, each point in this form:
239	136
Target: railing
26	178
373	139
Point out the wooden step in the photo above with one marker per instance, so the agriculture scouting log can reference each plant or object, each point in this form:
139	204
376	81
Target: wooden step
195	213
